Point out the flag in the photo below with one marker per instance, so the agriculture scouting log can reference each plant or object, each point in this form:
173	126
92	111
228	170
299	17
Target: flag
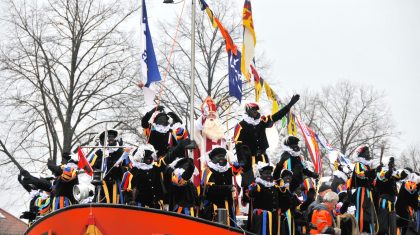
291	125
149	67
83	163
230	46
125	184
311	144
258	83
249	39
271	95
235	82
340	156
205	7
323	142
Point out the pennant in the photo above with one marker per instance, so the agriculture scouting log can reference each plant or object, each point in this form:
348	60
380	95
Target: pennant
249	39
230	46
83	162
311	144
291	125
258	83
271	95
205	7
284	119
235	81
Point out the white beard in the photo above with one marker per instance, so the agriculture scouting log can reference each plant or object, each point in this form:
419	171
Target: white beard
212	129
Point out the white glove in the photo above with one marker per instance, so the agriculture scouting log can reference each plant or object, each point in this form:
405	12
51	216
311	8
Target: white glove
351	210
337	231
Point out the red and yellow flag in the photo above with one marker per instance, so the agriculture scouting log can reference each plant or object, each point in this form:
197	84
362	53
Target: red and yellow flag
249	39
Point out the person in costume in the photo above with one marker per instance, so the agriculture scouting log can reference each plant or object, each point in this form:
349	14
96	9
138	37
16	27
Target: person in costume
217	186
143	183
289	205
112	171
177	177
62	189
39	190
386	189
265	217
292	160
251	130
208	135
407	205
323	218
362	182
162	129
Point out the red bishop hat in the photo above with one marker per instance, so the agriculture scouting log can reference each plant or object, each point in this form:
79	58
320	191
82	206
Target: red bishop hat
208	106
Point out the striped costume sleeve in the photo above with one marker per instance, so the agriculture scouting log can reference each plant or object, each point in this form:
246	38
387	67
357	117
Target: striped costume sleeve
237	134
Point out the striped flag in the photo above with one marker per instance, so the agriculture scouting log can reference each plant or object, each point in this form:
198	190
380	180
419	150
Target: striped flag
311	144
249	39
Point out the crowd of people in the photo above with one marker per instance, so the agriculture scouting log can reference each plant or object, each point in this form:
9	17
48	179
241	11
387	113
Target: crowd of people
198	176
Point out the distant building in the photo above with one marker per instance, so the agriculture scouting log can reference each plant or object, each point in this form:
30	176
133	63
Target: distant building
10	225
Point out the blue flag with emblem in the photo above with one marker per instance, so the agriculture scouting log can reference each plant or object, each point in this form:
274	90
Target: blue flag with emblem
235	81
148	58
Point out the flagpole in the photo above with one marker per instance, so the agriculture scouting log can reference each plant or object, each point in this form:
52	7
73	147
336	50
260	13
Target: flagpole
192	69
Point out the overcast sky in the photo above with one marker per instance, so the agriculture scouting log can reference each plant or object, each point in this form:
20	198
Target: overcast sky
314	43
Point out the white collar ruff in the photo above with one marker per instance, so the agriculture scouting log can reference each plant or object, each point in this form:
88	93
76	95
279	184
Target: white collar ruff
143	166
290	151
266	183
218	167
161	129
250	120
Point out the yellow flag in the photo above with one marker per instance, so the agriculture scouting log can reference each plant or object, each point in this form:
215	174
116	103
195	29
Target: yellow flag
291	125
271	96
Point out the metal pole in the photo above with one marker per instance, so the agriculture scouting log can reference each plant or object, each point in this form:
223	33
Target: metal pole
192	69
98	199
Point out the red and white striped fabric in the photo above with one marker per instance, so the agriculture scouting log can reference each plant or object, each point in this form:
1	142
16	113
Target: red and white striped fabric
312	144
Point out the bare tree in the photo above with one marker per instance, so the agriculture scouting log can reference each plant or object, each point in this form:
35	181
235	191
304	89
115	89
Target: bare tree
410	157
65	67
350	115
